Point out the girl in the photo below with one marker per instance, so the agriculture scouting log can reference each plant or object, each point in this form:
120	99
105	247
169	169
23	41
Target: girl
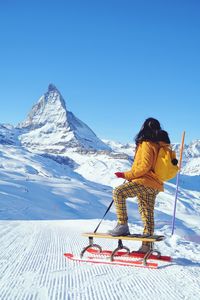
142	181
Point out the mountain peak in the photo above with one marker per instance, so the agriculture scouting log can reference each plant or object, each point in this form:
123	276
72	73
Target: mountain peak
52	87
53	95
50	108
51	128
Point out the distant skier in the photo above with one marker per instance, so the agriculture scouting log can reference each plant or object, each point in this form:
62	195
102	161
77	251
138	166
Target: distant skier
142	181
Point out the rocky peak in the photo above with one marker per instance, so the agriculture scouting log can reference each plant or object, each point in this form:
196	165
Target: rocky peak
52	87
50	108
51	128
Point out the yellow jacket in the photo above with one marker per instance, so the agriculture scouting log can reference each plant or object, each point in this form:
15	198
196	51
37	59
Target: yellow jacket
143	166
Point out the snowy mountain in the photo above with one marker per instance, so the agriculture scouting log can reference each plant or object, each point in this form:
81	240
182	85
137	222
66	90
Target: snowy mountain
53	167
51	128
58	157
8	135
191	163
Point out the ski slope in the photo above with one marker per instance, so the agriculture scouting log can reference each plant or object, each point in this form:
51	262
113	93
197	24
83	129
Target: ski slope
46	202
33	266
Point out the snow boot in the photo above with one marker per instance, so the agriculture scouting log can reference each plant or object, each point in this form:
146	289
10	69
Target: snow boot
120	230
144	249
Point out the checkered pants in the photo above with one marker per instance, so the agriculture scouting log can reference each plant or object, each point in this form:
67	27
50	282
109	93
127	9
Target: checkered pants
146	200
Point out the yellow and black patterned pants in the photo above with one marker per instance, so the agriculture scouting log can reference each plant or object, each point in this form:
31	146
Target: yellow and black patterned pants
146	201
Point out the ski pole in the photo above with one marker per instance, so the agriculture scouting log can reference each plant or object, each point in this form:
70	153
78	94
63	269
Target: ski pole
104	216
177	182
105	213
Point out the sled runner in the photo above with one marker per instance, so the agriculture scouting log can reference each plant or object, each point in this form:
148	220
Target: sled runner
118	262
122	254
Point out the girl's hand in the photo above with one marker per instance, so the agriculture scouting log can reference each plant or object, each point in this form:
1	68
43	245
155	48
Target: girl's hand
120	174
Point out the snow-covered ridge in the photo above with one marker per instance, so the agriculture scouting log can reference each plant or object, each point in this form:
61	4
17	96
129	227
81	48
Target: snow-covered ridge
9	135
191	154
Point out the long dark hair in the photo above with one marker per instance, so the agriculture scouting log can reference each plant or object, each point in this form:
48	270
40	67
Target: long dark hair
152	131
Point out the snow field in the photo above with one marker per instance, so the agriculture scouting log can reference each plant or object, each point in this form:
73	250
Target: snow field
33	266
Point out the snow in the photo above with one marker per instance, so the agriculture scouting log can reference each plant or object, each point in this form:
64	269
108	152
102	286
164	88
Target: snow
192	167
56	181
30	183
33	265
46	205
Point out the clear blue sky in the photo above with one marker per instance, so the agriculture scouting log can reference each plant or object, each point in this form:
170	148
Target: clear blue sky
116	62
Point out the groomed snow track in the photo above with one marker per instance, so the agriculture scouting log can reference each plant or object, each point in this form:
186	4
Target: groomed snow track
32	266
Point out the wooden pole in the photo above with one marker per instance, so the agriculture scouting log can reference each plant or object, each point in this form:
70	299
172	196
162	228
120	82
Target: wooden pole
177	181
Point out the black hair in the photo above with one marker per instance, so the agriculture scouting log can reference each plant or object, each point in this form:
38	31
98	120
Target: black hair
163	136
152	131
